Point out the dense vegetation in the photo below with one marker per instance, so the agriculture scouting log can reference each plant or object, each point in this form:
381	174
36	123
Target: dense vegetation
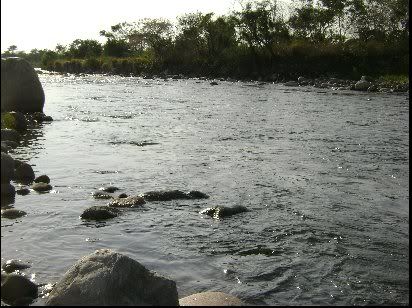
264	39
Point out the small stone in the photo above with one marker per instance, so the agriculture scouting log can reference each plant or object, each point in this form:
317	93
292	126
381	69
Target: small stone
14	265
12	213
109	189
42	178
41	187
16	287
123	195
127	202
99	213
23	191
101	195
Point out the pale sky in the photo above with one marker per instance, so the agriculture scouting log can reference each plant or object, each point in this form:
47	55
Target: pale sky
40	24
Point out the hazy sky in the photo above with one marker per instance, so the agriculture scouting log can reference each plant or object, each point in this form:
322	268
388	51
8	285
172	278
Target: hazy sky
45	23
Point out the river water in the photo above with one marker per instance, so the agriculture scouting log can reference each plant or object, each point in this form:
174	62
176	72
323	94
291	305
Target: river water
325	175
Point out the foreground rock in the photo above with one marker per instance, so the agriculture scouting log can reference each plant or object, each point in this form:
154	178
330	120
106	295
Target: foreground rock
107	278
168	195
218	212
21	89
99	213
129	202
210	299
17	289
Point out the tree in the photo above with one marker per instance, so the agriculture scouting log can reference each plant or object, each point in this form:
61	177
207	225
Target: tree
12	48
85	49
261	24
116	48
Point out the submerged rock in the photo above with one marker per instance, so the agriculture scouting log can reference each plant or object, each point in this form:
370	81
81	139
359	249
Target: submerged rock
107	278
12	213
17	289
99	213
109	189
101	195
127	202
210	299
218	212
168	195
291	84
14	265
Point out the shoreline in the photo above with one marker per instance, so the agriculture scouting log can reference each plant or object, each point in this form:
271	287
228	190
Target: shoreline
323	82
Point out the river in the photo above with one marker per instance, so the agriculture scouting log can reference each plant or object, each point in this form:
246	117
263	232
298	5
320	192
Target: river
325	175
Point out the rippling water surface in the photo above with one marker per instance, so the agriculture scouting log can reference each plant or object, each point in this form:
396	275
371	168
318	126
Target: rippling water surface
325	175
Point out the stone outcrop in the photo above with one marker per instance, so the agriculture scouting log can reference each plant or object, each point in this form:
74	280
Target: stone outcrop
21	89
108	278
210	299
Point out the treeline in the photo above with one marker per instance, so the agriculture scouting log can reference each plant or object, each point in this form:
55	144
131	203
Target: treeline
265	39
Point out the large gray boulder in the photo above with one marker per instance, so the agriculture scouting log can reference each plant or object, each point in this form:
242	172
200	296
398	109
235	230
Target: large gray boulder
107	278
21	89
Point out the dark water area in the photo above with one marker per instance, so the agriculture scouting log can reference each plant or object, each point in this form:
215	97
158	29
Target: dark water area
325	175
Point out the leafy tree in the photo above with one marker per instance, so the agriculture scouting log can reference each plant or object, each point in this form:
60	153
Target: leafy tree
261	24
85	49
116	48
12	48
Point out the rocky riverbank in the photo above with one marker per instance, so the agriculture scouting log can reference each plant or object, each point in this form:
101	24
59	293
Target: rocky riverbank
365	83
